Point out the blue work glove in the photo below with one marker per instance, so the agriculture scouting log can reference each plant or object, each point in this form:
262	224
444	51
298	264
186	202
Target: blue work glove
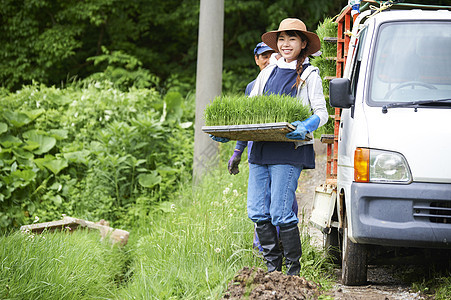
219	139
234	161
304	127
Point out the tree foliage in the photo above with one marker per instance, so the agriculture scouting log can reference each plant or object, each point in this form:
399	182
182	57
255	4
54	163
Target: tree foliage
53	41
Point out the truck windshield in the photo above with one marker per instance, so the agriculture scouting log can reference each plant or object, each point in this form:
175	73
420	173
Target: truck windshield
412	63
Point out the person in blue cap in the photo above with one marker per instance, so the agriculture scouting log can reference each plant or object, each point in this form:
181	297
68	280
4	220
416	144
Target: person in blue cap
262	54
275	167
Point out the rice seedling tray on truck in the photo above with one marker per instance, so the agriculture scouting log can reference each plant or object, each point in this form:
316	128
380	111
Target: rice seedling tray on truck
268	132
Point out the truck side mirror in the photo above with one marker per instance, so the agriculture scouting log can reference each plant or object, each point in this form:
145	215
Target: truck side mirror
340	93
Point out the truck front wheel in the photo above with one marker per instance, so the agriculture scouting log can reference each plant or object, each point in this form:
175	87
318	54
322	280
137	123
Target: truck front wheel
354	260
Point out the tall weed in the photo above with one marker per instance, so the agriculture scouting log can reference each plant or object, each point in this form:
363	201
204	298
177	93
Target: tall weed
193	250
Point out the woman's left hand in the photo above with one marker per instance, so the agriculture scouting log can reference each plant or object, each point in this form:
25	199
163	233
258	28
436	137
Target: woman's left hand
304	127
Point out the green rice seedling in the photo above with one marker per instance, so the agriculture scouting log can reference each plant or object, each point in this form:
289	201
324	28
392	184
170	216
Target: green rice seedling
328	28
326	62
327	65
327	68
327	128
240	109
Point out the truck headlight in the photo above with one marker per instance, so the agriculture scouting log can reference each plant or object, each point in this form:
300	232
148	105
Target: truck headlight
372	165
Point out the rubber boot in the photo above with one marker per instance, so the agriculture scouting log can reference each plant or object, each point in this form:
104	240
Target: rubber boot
291	243
267	234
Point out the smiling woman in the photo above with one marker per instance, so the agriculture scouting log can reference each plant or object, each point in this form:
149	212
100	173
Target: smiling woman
290	44
275	167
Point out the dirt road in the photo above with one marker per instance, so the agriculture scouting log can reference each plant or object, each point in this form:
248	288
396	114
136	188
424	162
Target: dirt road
384	283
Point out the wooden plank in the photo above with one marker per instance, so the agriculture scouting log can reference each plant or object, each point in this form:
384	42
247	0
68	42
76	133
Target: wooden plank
115	235
38	228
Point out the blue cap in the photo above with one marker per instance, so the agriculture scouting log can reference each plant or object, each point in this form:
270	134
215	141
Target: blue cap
262	47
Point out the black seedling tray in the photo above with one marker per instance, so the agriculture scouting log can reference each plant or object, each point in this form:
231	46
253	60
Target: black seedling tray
268	132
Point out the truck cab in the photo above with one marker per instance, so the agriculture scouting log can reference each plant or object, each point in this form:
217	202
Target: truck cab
393	182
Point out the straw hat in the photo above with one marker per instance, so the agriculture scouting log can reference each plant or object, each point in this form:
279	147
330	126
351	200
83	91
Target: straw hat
270	37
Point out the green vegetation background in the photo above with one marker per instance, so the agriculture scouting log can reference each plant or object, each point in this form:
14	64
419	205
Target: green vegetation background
96	112
148	42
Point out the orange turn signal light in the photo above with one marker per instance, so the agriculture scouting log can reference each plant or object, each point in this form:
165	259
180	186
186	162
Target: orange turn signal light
362	165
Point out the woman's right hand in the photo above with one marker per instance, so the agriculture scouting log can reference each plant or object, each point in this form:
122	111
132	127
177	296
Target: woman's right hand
234	161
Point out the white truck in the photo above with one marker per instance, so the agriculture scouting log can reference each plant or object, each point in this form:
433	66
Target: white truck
393	138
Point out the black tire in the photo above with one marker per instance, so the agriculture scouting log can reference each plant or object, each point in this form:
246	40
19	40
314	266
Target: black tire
354	262
332	245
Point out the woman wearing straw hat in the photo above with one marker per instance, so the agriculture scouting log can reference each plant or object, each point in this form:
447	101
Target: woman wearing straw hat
275	167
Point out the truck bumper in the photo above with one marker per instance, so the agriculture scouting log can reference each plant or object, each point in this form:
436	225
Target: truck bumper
413	215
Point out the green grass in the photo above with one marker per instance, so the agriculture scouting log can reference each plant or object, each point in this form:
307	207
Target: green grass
442	287
434	278
235	110
190	250
194	251
59	266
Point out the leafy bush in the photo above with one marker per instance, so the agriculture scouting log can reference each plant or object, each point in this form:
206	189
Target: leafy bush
90	151
235	110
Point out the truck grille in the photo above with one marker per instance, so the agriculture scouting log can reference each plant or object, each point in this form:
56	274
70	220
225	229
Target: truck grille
436	212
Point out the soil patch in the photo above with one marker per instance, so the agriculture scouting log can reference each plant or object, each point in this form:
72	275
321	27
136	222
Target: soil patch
256	283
